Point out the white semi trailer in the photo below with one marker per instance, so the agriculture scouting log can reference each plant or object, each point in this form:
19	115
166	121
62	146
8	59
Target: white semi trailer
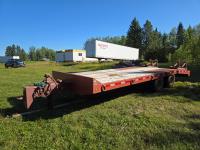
105	50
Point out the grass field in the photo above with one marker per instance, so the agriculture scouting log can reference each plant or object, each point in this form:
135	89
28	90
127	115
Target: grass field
124	119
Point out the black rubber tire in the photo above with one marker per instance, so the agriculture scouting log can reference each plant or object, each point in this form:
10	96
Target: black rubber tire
169	81
157	85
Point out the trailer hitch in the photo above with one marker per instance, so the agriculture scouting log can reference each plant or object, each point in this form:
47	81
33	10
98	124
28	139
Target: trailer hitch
41	89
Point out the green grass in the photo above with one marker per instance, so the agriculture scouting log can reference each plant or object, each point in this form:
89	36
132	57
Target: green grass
124	119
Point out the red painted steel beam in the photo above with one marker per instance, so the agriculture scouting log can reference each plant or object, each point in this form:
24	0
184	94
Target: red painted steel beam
84	85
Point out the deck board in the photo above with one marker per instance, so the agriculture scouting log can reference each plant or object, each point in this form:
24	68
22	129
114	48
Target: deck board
113	75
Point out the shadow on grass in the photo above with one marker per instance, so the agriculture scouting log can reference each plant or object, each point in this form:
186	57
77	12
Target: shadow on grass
190	93
76	103
18	107
194	122
69	64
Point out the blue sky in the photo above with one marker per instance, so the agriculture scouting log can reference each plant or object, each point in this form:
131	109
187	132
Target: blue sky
63	24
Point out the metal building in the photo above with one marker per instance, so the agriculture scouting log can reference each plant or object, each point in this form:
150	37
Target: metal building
70	55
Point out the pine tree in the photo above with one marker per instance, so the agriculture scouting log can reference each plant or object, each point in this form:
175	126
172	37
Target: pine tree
13	50
23	54
146	34
8	51
134	35
180	36
32	53
172	38
18	51
189	34
165	42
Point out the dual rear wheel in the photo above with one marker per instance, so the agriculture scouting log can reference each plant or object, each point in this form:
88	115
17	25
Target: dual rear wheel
163	82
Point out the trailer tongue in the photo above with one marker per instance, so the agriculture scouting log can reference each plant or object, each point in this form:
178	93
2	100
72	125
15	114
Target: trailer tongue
93	82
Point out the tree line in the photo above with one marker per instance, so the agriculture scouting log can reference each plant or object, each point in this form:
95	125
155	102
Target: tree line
34	54
16	50
179	43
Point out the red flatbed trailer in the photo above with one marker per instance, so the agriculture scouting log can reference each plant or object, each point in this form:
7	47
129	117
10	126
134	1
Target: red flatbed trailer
93	82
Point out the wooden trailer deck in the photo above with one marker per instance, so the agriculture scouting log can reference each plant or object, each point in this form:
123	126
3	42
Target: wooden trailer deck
92	82
114	75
